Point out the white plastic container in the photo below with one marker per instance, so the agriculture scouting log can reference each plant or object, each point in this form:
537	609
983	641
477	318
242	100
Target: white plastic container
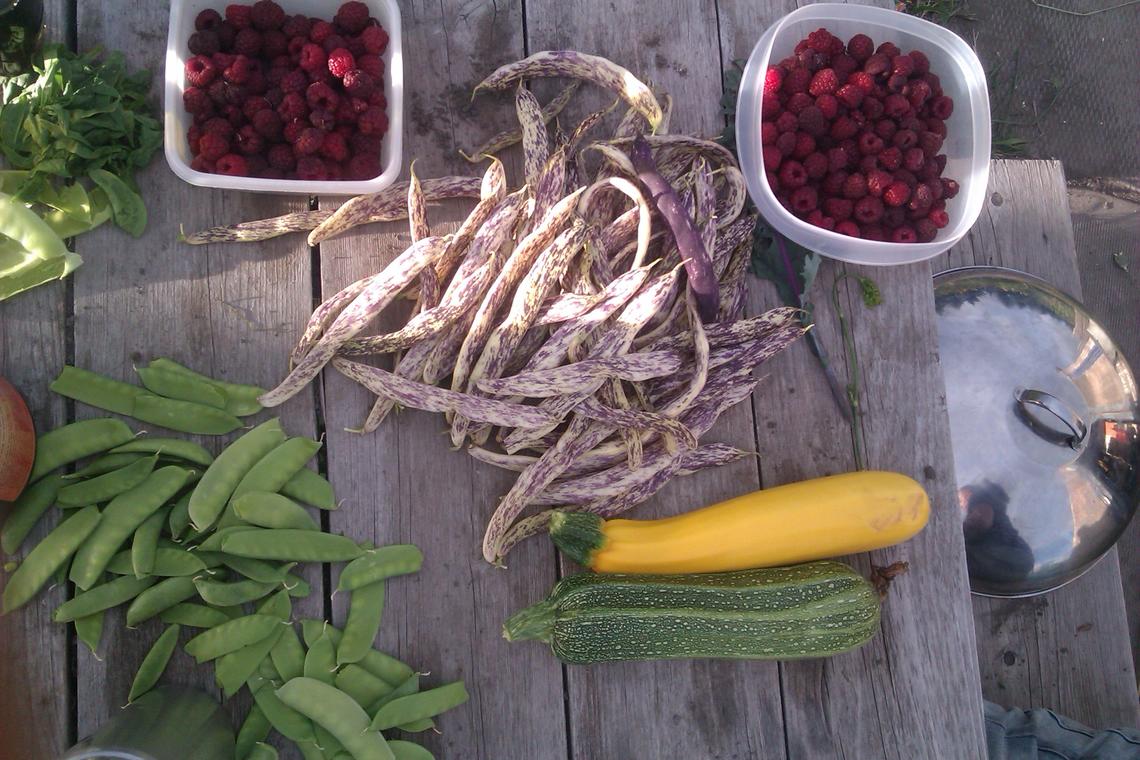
177	121
967	145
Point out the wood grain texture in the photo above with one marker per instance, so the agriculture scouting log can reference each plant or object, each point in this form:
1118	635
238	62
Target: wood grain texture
402	483
229	311
1068	650
703	708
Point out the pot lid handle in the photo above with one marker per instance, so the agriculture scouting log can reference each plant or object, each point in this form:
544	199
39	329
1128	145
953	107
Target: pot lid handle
1076	429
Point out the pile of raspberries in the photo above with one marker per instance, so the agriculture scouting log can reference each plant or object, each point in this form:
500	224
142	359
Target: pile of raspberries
286	97
852	135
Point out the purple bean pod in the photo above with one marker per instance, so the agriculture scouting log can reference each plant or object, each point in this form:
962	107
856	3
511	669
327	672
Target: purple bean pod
261	229
571	378
565	306
410	366
510	137
551	183
535	142
631	418
731	204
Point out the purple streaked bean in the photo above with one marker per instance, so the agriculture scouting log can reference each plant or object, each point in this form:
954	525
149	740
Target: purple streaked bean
411	367
566	306
645	219
510	137
360	209
535	142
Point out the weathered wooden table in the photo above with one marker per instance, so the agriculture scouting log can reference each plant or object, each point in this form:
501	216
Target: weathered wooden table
234	311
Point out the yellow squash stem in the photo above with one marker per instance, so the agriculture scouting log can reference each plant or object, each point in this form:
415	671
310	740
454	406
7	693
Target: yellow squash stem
799	522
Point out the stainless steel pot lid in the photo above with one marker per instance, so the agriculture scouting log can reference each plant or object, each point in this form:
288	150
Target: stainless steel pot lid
1045	425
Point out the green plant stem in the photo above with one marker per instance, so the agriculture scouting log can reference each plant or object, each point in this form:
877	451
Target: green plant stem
853	387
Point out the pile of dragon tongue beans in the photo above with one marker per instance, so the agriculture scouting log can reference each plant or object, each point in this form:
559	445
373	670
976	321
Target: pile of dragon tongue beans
852	136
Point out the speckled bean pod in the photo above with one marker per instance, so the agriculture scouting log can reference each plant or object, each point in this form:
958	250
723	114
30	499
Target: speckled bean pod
564	307
645	219
704	195
509	137
492	189
324	315
261	229
535	141
685	144
570	378
411	367
730	238
359	210
735	193
631	418
734	284
550	184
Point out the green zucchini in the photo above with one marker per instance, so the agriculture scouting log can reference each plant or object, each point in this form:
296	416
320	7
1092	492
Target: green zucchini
782	613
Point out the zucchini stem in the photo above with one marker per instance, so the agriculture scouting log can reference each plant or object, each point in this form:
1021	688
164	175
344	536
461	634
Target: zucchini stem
535	622
578	535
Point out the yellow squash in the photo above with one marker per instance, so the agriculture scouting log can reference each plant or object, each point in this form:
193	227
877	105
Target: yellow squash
799	522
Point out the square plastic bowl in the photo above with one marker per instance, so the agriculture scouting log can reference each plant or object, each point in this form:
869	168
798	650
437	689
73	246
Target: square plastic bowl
967	144
177	121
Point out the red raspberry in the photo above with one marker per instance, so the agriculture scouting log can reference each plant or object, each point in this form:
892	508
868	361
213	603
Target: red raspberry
893	217
375	40
804	199
925	230
364	166
320	95
930	142
293	130
929	170
937	126
240	71
334	147
309	142
311	168
824	81
844	66
203	43
896	106
252	105
770	107
886	129
267	14
934	82
281	157
822	40
843	127
940	159
860	47
201	164
873	232
321	31
812	121
196	101
890	158
787	122
904	235
918	93
294	81
837	159
358	84
341	62
208	20
868	164
297	26
248	42
313	57
274	43
249	142
897	194
292	106
799	102
294	48
902	64
219	125
872	108
335	41
863	81
889	49
877	64
904	139
372	65
921	199
838	208
827	105
805	145
868	210
819	220
833	183
352	17
870	143
792	175
797	80
848	228
322	119
268	124
812	59
934	184
949	188
905	176
773	181
232	164
233	114
347	130
345	114
850	95
939	217
941	107
213	145
274	95
773	78
786	143
816	166
855	187
200	71
193	137
772	157
920	61
897	82
355	46
223	61
768	133
913	159
239	16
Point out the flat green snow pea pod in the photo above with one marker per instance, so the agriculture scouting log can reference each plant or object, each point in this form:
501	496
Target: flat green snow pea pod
253	730
361	685
96	390
89	630
364	612
320	660
230	636
48	556
288	722
108	485
384	666
310	487
227	470
297	586
154	664
378	564
214	542
415	707
291	545
104	464
144	545
27	510
177	385
335	711
262	751
409	686
232	670
415	726
267	670
164	595
272	510
175	448
258	570
179	518
193	615
328	743
241	399
69	443
120	519
405	750
225	594
183	416
101	597
288	655
278	467
168	563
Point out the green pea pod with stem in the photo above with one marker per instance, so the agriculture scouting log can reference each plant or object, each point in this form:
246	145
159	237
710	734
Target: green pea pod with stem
183	416
361	685
120	519
174	448
405	750
254	729
27	510
69	443
378	564
415	707
407	687
213	542
154	664
193	615
231	636
162	596
234	669
320	660
144	545
297	586
258	570
97	390
291	545
179	518
278	467
105	487
104	464
272	510
89	630
49	555
288	655
241	400
415	726
225	594
383	666
310	487
335	711
176	385
168	563
288	722
364	613
35	254
102	597
227	470
262	751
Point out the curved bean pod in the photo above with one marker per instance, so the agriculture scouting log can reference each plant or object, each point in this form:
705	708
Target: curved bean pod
27	510
286	545
241	399
362	686
262	751
312	488
144	544
96	390
288	655
89	630
259	570
175	385
510	137
534	139
66	444
176	448
160	597
104	487
363	623
227	594
425	704
47	557
102	465
193	615
183	416
230	636
262	229
272	510
168	563
154	663
254	729
405	750
277	467
225	473
101	597
358	210
288	722
336	712
645	219
378	564
233	670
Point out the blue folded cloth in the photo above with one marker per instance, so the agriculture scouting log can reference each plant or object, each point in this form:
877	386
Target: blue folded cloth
1032	734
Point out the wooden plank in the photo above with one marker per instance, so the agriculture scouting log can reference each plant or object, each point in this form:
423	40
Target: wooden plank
700	708
229	311
1069	650
401	483
913	691
34	652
